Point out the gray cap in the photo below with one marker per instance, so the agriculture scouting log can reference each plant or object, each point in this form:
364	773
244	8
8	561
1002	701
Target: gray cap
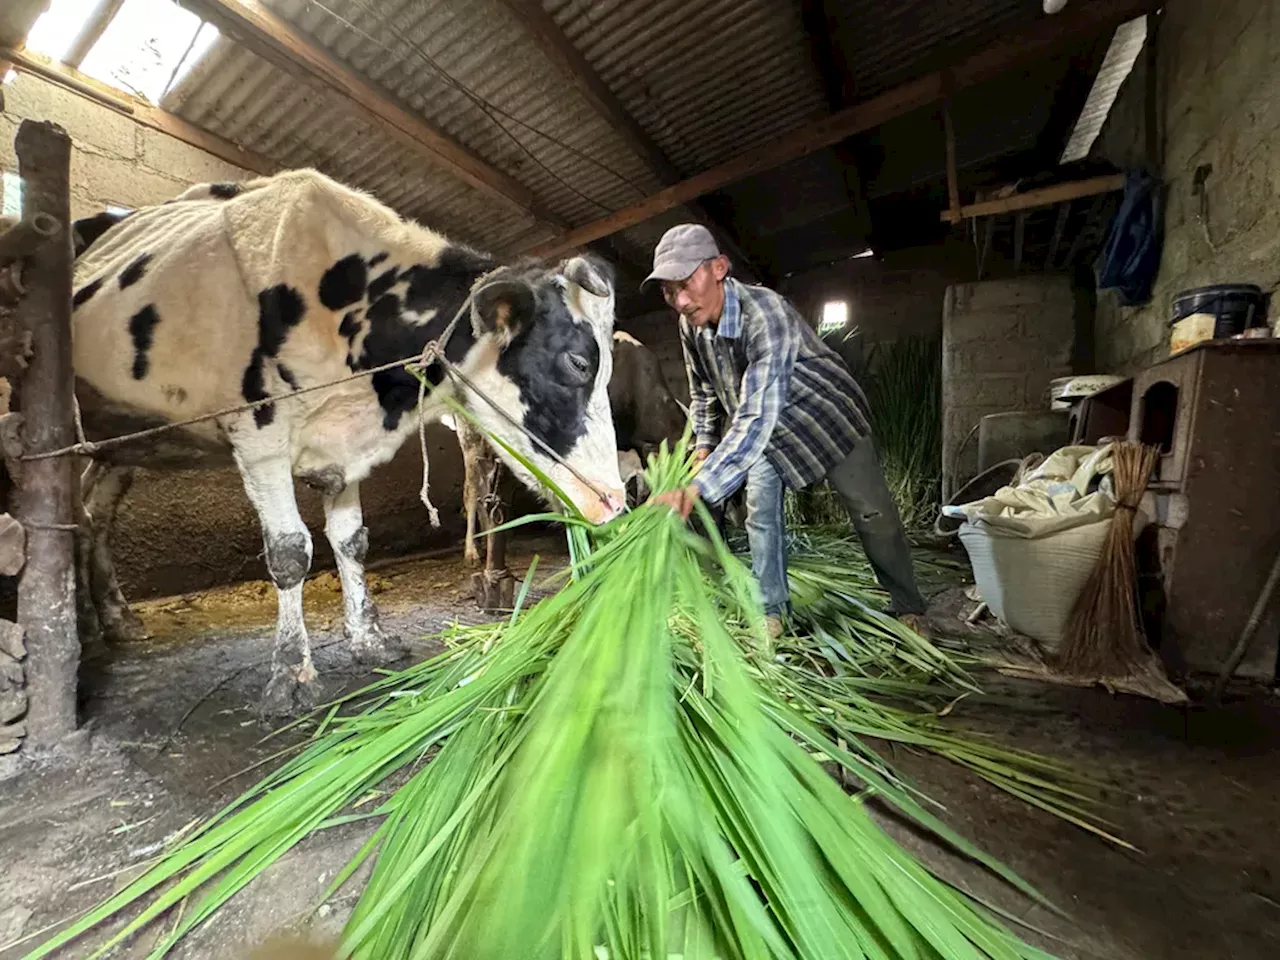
681	251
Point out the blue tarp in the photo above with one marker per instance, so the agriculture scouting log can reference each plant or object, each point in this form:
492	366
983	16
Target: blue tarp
1131	256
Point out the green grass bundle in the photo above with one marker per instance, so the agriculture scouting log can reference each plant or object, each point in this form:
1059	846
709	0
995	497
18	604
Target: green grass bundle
904	388
607	778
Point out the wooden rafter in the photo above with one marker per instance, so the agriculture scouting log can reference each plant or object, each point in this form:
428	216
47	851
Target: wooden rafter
254	25
1016	50
559	49
1044	197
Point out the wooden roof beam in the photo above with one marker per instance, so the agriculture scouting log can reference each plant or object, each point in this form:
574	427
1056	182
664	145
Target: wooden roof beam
1043	197
1019	49
253	24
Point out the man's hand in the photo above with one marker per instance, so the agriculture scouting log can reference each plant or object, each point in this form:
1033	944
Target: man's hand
681	501
699	458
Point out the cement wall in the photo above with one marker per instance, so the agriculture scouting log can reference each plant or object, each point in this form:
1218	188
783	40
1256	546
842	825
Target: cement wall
1002	342
192	530
1218	103
115	161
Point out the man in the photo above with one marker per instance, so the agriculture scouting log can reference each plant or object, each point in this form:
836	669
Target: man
774	407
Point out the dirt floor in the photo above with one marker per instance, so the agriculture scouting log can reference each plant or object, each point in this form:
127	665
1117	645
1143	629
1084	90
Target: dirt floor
1197	791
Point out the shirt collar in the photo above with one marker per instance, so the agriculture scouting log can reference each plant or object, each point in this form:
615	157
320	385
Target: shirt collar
730	324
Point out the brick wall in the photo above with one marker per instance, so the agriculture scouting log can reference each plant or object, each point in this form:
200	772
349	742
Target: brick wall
1002	342
1219	104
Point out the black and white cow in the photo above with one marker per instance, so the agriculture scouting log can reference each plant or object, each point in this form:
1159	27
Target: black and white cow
242	292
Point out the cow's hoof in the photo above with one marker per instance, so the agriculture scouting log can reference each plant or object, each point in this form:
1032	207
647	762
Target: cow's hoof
287	696
124	627
372	647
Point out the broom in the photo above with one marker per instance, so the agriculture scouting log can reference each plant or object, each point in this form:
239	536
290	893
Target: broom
1104	636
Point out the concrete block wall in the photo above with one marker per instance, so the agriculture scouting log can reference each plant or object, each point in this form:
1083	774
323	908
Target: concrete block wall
115	161
185	531
1219	104
1003	341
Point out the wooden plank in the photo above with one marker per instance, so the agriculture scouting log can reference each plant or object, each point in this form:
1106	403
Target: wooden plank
255	25
953	176
1044	197
95	26
1020	49
139	110
46	592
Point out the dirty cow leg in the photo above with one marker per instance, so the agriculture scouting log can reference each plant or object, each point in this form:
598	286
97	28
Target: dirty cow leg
344	526
102	501
293	687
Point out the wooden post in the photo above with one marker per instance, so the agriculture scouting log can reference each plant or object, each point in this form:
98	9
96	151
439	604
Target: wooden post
46	592
953	176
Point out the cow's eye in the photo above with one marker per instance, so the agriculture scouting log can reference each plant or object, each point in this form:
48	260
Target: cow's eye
576	365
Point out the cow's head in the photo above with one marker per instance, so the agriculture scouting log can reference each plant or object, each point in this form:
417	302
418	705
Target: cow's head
548	334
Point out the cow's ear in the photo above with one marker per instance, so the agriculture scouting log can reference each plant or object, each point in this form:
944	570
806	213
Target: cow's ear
503	307
590	273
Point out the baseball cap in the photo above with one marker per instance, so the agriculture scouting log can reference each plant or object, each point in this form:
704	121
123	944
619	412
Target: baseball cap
681	251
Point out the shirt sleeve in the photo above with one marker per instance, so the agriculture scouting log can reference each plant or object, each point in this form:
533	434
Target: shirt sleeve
771	345
704	408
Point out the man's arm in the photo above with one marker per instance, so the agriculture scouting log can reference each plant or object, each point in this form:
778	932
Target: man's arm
704	408
771	349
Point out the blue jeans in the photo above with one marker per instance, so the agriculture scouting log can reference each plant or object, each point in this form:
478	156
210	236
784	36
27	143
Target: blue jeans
858	481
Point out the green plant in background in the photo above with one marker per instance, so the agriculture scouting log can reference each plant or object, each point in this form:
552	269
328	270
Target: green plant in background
626	771
903	384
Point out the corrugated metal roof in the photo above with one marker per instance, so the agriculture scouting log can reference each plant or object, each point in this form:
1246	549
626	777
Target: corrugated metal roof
886	44
706	78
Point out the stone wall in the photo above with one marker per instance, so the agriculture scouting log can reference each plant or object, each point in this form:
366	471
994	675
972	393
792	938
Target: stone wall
185	531
1218	104
1002	342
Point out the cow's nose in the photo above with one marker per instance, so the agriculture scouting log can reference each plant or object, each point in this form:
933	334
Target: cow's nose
615	503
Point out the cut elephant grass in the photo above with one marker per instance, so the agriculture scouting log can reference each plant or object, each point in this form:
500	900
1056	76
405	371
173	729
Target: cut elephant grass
608	777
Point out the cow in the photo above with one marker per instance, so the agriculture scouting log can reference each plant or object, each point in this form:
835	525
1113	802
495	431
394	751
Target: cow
645	414
241	293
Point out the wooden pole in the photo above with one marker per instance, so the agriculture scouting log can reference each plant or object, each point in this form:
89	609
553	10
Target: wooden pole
1042	197
953	176
46	592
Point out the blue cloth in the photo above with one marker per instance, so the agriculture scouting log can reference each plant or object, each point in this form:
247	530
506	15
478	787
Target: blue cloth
1131	257
763	384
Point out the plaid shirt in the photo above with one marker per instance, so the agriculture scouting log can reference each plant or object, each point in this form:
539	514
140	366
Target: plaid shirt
784	393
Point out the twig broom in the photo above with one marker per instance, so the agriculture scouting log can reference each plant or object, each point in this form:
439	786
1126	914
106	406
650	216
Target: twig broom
1104	637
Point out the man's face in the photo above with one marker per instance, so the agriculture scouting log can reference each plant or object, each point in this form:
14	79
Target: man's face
699	298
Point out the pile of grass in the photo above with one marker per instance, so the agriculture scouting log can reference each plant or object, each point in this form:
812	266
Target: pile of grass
903	384
904	388
622	771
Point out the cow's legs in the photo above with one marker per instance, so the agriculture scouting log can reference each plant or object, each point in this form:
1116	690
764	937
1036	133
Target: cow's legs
293	686
102	501
349	537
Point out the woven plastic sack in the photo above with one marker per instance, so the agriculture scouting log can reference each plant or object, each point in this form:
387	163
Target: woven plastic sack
1032	584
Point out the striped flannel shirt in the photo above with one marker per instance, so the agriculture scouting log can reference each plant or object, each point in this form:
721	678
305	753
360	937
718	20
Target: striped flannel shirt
762	383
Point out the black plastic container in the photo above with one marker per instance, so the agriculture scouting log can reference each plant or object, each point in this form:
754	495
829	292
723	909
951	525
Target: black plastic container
1235	307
